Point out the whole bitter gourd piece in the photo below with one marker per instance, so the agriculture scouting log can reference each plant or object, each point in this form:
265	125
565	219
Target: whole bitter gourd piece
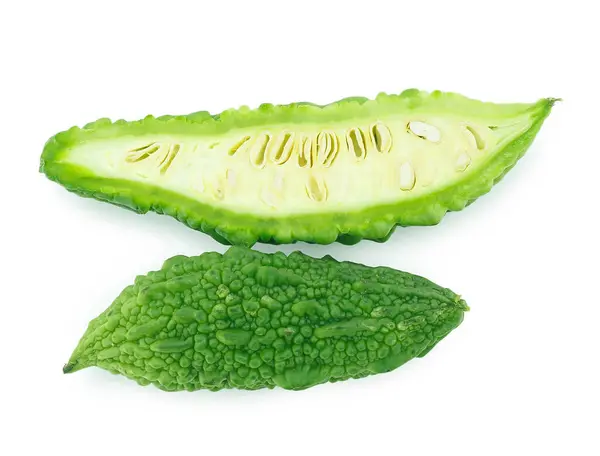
346	171
251	320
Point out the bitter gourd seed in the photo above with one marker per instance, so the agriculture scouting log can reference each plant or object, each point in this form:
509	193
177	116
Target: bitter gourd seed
251	320
349	170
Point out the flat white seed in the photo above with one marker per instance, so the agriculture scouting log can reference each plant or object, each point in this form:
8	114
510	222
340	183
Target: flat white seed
407	177
323	146
168	158
462	162
469	138
425	131
355	141
258	150
328	147
479	141
316	189
280	148
305	158
141	153
137	149
241	145
162	159
334	142
381	137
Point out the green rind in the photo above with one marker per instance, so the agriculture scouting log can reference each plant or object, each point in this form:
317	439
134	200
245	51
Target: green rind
374	223
251	320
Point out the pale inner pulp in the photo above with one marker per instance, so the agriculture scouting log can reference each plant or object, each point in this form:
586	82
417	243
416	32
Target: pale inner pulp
301	168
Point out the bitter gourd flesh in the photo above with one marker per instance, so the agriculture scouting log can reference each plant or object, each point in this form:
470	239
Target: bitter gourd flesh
349	170
251	320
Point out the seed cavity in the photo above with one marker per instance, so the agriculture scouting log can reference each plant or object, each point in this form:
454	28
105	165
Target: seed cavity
424	131
305	153
407	177
323	146
280	149
137	149
328	146
355	139
238	145
169	157
258	150
479	142
316	189
141	153
462	162
381	136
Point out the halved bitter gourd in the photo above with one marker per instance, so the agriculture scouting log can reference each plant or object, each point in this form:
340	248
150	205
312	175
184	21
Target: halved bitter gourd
345	171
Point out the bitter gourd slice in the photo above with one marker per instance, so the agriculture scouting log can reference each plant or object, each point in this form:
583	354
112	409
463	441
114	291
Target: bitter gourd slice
251	320
349	170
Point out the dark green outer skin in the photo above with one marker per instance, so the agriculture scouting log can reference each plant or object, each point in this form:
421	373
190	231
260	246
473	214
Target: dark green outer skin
375	223
251	320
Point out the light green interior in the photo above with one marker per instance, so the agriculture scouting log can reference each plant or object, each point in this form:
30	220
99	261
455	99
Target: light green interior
293	168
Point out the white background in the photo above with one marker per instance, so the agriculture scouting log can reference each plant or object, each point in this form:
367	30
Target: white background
519	377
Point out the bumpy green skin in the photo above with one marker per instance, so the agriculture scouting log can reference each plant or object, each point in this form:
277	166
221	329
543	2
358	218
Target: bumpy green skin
375	223
251	320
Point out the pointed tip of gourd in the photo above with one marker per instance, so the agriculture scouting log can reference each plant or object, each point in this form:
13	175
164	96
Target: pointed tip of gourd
462	304
72	366
553	101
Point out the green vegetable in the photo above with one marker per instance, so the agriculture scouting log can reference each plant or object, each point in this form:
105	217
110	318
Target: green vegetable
252	320
345	171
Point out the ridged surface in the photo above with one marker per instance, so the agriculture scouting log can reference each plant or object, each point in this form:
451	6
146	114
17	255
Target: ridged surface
376	222
251	320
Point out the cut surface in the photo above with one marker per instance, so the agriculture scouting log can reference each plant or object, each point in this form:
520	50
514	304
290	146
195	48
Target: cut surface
301	172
